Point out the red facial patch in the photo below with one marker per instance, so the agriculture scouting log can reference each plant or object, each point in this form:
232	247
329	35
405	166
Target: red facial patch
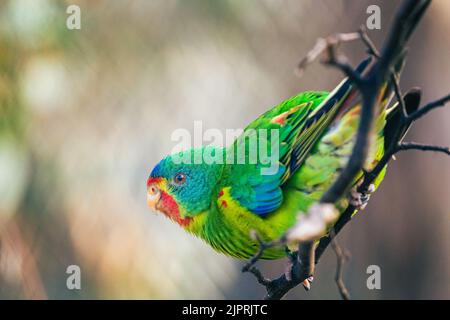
169	207
152	180
224	204
220	193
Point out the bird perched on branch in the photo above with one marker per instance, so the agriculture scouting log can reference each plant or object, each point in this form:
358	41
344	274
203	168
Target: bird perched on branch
223	203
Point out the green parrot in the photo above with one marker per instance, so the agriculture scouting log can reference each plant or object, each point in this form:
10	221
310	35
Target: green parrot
224	202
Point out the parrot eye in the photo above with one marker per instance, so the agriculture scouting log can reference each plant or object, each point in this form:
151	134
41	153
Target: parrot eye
179	179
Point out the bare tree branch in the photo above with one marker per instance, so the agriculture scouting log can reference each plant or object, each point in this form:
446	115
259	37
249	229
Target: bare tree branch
369	85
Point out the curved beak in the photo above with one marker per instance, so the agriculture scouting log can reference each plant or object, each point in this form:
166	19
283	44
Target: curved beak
153	196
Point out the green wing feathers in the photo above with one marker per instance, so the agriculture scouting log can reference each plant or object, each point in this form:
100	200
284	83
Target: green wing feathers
300	121
317	132
317	127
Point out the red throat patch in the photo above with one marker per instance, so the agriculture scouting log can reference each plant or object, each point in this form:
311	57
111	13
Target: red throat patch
169	207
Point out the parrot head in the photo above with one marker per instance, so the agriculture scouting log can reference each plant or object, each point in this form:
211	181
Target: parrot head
182	189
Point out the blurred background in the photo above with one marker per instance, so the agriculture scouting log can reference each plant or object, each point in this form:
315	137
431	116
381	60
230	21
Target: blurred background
85	114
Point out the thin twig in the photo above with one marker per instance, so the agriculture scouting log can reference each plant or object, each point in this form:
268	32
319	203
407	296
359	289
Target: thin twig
323	44
430	106
398	94
259	276
341	63
341	257
422	147
371	48
263	246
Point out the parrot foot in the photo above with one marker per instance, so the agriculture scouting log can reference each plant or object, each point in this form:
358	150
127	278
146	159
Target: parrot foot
306	283
360	200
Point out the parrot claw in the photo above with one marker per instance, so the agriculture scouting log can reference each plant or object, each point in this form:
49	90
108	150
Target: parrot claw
360	200
307	283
